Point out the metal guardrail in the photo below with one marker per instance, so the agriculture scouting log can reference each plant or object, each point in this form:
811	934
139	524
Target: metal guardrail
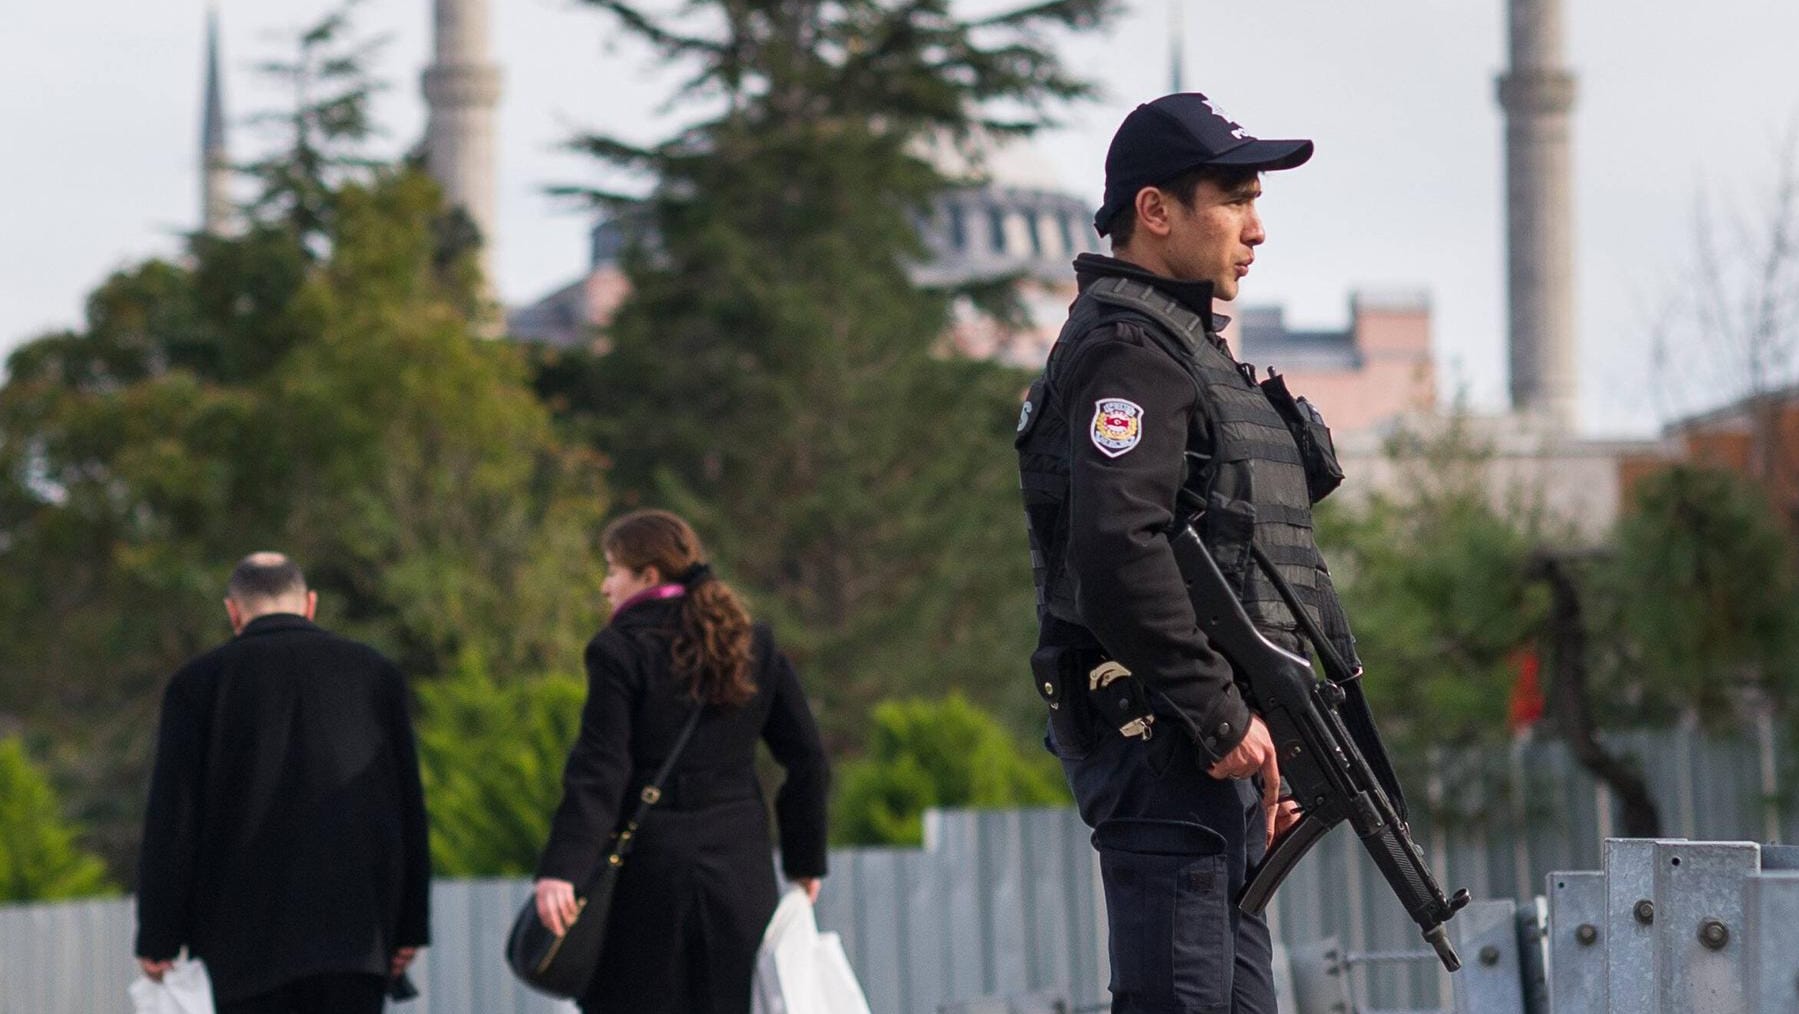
1004	903
1672	925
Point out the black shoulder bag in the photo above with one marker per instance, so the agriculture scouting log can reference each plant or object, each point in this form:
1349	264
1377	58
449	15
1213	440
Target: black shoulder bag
562	966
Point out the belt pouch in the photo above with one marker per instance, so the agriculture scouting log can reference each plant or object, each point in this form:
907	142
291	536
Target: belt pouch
1062	683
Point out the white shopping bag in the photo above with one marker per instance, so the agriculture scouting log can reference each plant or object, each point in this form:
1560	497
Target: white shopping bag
800	970
184	989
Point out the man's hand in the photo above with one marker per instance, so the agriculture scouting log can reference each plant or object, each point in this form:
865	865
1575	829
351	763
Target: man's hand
155	970
556	904
810	885
402	957
1255	756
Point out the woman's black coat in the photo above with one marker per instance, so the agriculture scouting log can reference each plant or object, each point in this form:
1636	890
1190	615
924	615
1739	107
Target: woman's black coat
699	887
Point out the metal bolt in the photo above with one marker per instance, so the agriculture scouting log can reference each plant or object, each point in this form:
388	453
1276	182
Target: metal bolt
1644	911
1050	689
1714	934
1586	934
1489	955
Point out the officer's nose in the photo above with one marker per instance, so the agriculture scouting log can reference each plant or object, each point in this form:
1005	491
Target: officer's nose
1253	232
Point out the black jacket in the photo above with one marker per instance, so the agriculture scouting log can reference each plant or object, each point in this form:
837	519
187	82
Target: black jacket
1128	590
699	887
285	834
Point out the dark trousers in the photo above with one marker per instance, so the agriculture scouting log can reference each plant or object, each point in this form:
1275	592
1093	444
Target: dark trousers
334	993
1174	844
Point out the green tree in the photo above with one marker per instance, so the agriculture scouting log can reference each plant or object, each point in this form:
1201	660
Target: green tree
775	372
935	753
316	385
323	133
39	858
491	755
1437	584
1707	596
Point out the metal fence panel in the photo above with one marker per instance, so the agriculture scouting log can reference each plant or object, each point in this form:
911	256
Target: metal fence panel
1698	909
1486	936
1772	916
1578	938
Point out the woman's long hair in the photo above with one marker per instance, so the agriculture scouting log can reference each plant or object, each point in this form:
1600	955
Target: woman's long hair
711	646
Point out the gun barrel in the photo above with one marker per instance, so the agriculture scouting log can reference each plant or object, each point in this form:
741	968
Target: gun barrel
1438	938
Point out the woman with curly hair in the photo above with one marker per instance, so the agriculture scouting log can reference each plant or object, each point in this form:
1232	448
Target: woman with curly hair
692	902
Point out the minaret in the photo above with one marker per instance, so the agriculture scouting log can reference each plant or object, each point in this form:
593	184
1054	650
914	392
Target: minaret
461	90
1177	29
1537	92
215	166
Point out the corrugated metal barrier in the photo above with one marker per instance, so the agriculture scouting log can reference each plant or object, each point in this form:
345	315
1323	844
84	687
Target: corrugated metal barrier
1007	903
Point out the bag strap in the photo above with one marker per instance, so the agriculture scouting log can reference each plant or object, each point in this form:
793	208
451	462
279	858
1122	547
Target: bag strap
652	793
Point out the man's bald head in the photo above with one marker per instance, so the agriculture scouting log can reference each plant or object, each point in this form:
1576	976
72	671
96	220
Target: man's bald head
262	576
265	583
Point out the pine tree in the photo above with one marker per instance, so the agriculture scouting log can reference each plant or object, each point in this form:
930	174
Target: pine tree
777	374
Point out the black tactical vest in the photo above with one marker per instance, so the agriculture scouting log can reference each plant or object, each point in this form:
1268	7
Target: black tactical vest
1251	481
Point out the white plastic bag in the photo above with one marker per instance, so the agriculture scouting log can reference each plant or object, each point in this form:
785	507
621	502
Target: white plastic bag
184	989
800	970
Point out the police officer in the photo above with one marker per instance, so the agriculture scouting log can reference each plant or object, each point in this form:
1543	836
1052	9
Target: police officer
1142	421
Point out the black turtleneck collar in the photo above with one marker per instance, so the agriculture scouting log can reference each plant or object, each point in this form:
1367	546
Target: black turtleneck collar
268	623
1195	296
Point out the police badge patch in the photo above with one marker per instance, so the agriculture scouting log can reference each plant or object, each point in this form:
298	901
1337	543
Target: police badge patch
1117	425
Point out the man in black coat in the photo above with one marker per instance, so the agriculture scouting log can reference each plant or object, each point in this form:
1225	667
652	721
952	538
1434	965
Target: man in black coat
285	842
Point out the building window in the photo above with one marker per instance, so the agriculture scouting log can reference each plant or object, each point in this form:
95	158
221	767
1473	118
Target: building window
996	227
958	229
1034	226
1066	224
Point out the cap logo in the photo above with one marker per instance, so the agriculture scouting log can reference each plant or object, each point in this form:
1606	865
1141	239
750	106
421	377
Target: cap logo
1236	128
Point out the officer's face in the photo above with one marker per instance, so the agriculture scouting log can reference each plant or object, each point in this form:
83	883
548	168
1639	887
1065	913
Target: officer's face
1213	239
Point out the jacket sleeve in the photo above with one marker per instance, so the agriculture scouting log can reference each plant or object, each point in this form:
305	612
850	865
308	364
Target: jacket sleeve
1130	407
597	772
169	855
414	929
792	736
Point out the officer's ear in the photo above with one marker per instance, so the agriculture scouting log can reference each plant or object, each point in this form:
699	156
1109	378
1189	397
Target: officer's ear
312	604
1155	211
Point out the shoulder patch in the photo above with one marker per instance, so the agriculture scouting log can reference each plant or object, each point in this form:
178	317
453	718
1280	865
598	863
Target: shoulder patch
1117	425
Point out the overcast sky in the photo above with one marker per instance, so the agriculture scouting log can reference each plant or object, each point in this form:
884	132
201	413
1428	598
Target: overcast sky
100	112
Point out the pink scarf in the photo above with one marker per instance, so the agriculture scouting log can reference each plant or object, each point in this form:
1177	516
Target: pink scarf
655	593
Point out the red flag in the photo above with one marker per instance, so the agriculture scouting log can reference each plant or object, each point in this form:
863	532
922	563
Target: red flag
1525	704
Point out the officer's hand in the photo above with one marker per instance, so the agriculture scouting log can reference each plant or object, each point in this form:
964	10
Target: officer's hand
1255	756
556	904
1285	816
401	957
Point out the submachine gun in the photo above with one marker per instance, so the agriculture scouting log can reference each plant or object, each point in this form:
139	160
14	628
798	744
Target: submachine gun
1326	765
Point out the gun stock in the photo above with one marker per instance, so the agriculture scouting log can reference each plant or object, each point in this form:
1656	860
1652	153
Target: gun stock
1331	779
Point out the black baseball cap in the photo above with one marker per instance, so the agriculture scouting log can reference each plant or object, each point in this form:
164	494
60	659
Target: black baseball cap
1162	139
